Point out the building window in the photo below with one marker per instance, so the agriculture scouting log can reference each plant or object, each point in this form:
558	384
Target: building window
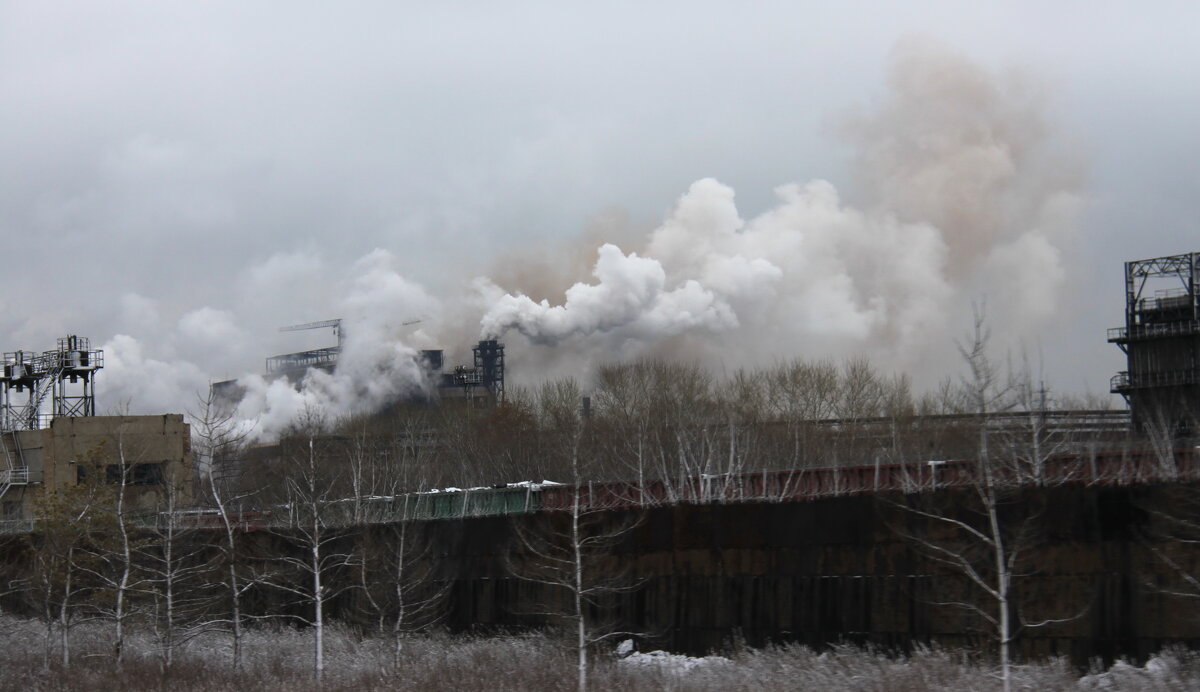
12	510
138	474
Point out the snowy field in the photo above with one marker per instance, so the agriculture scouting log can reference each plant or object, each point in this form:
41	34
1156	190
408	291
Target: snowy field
282	660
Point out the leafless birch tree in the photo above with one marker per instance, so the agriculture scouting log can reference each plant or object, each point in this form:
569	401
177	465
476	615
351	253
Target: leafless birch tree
983	538
179	569
66	523
316	571
571	554
218	442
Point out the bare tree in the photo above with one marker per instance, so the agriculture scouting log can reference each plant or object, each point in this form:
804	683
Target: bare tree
398	579
571	554
66	523
395	573
217	444
316	572
179	566
623	409
113	548
1033	442
984	539
1172	533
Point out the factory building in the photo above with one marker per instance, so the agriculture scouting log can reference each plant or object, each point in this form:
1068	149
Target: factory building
1161	341
51	438
480	383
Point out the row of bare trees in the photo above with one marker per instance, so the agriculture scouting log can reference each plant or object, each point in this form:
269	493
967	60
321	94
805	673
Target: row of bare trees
671	424
91	557
653	420
186	571
179	572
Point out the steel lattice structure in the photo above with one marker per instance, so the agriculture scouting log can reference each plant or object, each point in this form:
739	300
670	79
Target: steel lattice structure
1161	341
63	377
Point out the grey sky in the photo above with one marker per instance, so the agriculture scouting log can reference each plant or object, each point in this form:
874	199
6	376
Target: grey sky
160	158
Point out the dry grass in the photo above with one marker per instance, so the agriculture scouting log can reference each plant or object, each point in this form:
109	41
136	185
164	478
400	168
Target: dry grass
281	659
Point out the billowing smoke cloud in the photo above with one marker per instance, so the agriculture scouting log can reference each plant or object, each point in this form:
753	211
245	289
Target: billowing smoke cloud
377	364
959	196
384	324
965	200
630	293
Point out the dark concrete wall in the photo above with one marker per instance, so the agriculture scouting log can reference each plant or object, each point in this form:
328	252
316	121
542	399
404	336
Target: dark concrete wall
819	572
839	569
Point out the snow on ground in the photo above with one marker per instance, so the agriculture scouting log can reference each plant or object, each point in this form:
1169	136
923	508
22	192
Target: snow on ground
1161	672
277	657
676	664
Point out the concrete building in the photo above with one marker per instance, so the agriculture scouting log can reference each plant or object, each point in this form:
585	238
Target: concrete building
153	451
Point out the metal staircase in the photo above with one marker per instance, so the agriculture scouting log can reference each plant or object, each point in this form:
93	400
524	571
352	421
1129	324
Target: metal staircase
14	473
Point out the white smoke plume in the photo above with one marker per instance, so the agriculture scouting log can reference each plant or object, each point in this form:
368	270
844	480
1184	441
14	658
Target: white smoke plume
960	195
630	293
378	363
965	199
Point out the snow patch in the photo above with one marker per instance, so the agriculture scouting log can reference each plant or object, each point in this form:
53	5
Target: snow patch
533	485
675	664
1160	672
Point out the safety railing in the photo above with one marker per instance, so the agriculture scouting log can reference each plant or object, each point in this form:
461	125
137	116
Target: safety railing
1154	330
1124	381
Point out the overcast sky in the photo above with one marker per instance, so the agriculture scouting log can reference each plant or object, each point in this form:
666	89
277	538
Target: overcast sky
194	175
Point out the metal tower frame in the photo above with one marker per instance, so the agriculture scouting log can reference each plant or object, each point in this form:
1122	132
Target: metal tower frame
1161	341
489	365
298	363
65	375
19	383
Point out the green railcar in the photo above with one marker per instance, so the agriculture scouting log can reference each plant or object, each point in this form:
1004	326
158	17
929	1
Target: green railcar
480	502
495	501
425	506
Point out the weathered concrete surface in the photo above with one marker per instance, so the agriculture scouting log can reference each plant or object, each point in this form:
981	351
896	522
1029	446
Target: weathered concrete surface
818	572
839	570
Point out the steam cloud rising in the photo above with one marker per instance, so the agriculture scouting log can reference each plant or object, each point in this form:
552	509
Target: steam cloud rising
960	195
964	199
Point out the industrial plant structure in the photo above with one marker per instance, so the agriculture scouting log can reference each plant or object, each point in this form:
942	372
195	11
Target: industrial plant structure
294	365
51	437
480	383
485	376
63	378
1161	341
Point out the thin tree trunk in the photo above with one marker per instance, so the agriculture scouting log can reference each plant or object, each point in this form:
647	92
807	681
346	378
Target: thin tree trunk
1002	585
169	575
48	615
126	567
235	595
235	614
318	615
63	615
315	554
581	642
401	602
